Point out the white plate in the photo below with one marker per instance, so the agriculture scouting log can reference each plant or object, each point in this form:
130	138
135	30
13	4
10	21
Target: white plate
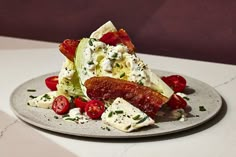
199	93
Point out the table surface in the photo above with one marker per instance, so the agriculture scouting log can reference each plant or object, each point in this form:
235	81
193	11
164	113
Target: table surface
22	60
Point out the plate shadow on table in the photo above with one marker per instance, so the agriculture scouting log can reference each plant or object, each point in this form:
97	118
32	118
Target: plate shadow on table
188	132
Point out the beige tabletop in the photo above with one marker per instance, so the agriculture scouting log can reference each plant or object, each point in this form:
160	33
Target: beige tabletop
10	43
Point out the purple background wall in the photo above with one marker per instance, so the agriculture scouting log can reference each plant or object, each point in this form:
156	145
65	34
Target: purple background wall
201	30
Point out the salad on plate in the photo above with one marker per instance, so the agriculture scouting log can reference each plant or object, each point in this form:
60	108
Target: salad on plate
102	78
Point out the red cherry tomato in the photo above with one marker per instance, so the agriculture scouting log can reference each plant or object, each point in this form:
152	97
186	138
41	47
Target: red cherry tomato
80	104
94	109
177	102
176	82
61	105
51	82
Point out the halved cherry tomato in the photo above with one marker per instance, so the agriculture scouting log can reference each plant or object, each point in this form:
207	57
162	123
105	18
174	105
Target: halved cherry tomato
68	47
176	82
80	104
51	82
61	105
94	109
177	102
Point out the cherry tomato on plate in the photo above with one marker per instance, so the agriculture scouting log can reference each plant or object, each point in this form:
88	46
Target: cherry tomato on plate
94	109
61	105
176	82
51	82
176	102
80	104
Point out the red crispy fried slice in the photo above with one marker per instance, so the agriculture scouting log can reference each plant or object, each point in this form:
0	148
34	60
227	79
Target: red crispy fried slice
144	98
68	47
121	36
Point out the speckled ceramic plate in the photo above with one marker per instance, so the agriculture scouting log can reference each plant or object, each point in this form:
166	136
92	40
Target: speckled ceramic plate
199	93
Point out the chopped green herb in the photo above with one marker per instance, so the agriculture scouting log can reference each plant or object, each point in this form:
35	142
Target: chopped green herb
114	55
46	96
142	120
202	108
119	111
110	114
122	75
127	128
31	90
108	129
65	115
137	117
140	82
56	117
31	96
186	98
90	63
117	65
90	42
68	118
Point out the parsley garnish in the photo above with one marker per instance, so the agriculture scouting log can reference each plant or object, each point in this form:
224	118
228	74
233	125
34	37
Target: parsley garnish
46	96
127	128
110	114
90	63
140	82
136	117
117	65
142	120
31	90
186	98
202	108
122	75
90	42
31	96
114	55
119	111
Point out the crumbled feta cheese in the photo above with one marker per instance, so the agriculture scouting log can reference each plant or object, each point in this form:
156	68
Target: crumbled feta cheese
125	117
107	65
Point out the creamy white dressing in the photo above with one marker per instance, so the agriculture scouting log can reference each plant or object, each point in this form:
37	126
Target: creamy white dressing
75	115
43	101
